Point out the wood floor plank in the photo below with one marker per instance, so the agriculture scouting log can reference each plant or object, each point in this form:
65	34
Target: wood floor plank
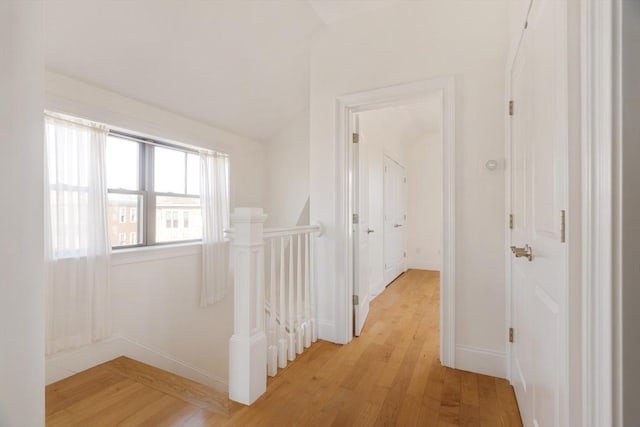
389	376
190	391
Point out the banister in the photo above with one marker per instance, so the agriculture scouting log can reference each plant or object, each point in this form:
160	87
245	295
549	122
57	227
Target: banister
284	231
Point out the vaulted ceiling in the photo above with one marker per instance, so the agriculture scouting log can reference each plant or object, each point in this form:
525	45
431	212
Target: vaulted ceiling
406	122
238	65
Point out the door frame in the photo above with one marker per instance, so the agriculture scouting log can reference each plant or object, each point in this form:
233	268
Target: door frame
570	346
601	281
598	386
391	96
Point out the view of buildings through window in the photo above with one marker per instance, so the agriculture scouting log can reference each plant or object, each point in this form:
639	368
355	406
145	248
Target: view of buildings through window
154	193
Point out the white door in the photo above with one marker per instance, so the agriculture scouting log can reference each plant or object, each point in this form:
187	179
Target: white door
361	270
394	201
539	170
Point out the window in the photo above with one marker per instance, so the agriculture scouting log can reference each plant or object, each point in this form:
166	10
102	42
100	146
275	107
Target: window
122	239
174	217
154	192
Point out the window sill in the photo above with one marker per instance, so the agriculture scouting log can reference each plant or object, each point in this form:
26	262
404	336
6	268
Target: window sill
154	253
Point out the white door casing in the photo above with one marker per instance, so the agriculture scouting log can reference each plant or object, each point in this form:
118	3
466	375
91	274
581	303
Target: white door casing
539	176
361	271
347	106
394	211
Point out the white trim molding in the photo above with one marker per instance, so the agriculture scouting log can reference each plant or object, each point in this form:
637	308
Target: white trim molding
597	194
65	364
348	105
481	360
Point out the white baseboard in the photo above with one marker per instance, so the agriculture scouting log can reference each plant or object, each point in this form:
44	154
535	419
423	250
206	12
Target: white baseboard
62	365
482	361
327	331
423	264
377	289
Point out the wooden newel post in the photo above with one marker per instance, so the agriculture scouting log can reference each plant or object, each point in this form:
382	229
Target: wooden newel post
248	345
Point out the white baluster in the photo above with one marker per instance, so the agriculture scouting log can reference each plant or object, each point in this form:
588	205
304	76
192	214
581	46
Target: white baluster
272	358
291	350
299	327
307	297
312	271
282	312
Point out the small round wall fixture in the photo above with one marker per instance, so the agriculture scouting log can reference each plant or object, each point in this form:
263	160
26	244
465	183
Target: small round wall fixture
491	165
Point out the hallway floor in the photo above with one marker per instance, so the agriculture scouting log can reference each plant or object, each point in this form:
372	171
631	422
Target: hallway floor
390	375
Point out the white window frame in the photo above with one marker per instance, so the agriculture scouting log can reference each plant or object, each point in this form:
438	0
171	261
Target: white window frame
146	213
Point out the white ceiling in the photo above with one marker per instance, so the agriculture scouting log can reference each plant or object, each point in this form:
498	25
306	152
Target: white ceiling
406	122
238	65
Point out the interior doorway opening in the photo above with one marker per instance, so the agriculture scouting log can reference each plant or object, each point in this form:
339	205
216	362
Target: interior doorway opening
384	240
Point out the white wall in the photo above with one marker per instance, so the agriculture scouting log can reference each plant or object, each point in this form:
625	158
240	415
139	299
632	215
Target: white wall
424	202
21	218
630	230
155	291
408	42
287	170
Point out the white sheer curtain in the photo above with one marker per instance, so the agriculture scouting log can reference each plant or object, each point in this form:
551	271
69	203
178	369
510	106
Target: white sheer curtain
78	248
214	199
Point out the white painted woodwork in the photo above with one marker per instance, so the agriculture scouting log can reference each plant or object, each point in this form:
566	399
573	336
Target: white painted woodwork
344	239
395	210
539	173
290	296
21	218
248	344
360	199
274	300
601	377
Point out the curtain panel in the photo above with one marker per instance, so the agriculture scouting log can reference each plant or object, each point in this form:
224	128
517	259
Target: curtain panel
214	200
77	244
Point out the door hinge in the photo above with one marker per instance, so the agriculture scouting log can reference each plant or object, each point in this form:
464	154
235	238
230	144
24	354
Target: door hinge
356	218
405	180
510	334
511	221
404	254
356	300
356	138
511	108
563	228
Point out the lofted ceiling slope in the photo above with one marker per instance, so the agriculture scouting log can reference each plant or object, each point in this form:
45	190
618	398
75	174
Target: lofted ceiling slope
239	65
242	66
407	122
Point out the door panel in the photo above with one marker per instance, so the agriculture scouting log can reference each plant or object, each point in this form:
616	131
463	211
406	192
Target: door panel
362	273
521	317
394	219
538	195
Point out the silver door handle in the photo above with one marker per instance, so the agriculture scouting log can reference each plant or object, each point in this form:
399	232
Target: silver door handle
526	252
369	231
397	225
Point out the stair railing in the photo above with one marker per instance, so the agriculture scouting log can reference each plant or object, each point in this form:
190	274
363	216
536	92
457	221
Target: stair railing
274	300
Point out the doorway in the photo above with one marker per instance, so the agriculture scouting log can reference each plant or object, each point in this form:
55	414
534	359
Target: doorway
358	292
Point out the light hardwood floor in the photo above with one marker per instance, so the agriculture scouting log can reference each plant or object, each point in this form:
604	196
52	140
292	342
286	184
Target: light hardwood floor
390	375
